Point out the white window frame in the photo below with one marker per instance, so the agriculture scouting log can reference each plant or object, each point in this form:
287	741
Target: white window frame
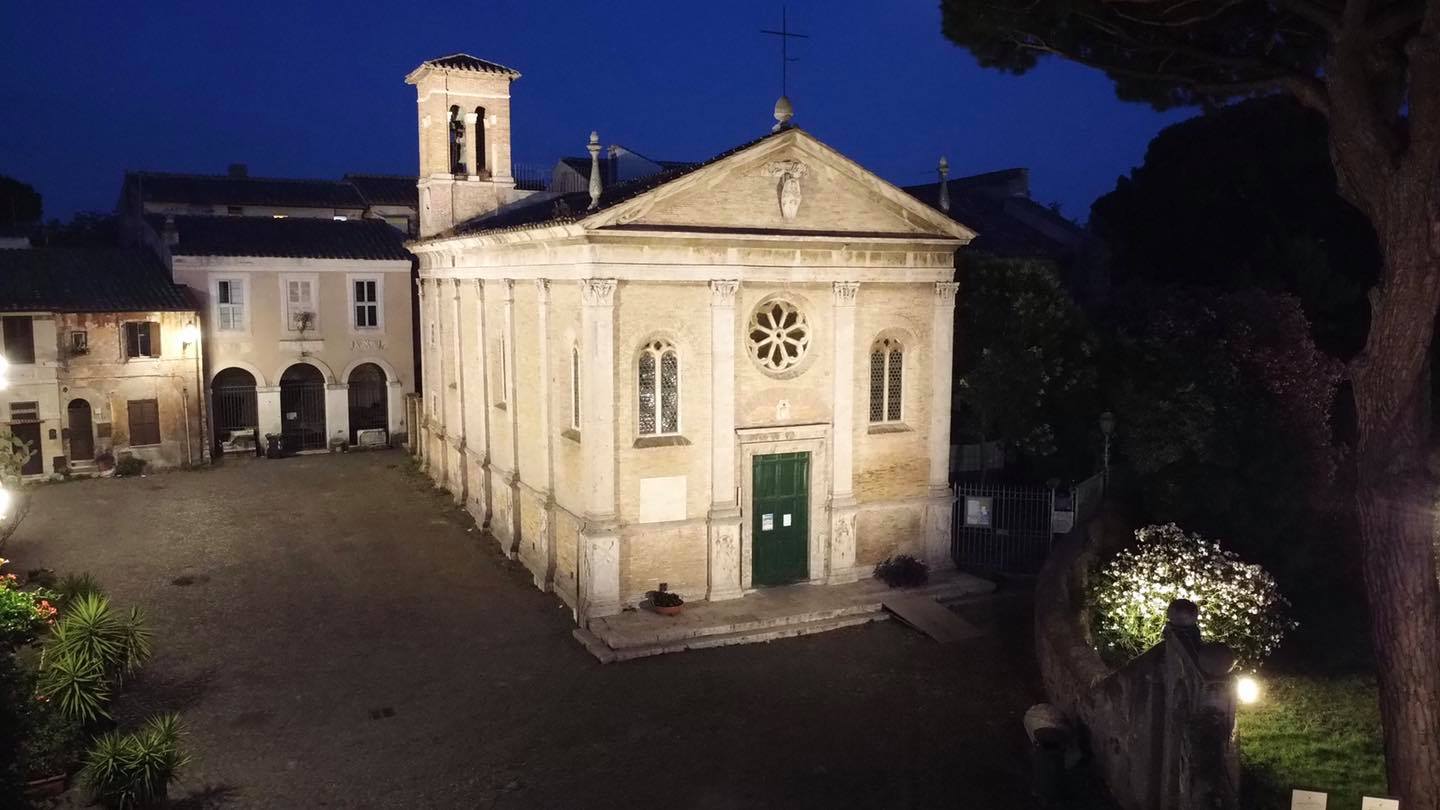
379	303
286	317
659	397
244	306
879	343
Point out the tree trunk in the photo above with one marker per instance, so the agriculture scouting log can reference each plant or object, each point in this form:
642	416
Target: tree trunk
1396	495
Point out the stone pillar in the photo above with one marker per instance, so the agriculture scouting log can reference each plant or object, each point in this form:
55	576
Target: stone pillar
940	511
842	440
479	431
457	479
724	527
439	468
420	431
267	410
599	536
472	145
510	397
543	563
395	423
337	412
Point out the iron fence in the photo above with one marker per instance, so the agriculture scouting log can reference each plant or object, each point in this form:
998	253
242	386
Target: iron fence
1010	528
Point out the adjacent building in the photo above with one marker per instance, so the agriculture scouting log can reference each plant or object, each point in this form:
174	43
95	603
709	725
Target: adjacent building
307	323
103	359
722	376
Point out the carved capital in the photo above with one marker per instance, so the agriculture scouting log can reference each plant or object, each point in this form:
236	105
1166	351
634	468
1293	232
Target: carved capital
845	293
722	293
507	290
542	289
945	293
599	292
471	118
420	288
457	283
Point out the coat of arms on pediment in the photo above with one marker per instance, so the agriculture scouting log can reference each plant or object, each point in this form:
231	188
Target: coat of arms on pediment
788	190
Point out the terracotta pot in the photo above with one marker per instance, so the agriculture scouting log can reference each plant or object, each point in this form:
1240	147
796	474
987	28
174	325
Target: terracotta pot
49	786
673	610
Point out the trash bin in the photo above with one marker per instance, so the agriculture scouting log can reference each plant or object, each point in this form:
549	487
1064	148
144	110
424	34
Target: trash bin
274	446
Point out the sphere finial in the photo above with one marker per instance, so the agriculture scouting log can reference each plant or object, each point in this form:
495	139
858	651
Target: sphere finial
784	111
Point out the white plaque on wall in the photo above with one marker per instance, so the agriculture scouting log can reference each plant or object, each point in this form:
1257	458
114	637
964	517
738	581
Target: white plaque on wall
1307	800
662	499
1374	803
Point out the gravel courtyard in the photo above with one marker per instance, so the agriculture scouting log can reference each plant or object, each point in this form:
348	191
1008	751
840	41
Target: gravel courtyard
337	634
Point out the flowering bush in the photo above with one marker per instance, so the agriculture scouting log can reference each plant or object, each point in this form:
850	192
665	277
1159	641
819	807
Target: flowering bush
24	615
1239	603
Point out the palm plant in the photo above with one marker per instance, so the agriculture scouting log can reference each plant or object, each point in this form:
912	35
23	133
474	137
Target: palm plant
90	650
134	770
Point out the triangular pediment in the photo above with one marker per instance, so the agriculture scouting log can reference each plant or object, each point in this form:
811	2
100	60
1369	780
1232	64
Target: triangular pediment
788	182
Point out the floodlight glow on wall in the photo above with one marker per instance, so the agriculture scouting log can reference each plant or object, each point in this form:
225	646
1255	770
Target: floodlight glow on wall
1247	689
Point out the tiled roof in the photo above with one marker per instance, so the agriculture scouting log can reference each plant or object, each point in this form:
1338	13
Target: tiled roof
385	189
1001	232
288	237
552	210
87	280
219	189
464	61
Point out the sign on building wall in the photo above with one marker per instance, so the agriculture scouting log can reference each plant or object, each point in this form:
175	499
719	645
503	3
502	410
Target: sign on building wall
977	510
1378	803
1307	800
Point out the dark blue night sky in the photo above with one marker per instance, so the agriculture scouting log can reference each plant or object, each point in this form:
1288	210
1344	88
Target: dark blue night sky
91	89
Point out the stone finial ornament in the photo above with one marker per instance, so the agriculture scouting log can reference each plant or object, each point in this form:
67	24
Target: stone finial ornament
595	187
944	184
784	111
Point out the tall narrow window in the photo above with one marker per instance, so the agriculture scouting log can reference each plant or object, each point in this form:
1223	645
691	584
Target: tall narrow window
230	298
367	303
575	388
142	339
19	339
300	304
144	417
457	141
658	378
886	378
479	136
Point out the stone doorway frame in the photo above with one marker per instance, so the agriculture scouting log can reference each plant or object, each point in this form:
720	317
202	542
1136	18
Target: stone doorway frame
763	441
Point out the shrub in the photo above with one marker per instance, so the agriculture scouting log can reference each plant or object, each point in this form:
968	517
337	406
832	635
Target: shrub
24	615
90	651
73	586
130	465
51	742
1239	604
135	769
902	571
663	597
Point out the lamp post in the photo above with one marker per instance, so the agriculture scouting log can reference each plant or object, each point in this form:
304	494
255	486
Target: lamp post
1107	428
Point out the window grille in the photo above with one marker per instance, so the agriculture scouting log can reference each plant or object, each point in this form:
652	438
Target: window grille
658	378
886	381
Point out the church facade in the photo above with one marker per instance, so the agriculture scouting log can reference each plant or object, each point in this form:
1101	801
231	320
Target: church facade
726	376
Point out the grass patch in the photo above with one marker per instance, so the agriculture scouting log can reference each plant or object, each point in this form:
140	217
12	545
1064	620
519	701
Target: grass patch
1313	732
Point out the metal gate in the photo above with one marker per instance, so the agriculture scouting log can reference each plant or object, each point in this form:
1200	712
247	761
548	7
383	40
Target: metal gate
234	410
1003	528
302	409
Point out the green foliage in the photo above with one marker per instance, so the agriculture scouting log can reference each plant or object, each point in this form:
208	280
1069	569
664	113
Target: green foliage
130	465
51	742
89	652
1028	369
1223	406
77	686
1321	733
74	586
663	597
133	770
24	614
902	571
1239	604
1260	173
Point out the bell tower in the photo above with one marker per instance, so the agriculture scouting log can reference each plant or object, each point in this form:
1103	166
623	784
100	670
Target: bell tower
463	104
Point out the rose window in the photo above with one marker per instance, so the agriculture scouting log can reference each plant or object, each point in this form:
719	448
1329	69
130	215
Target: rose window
779	335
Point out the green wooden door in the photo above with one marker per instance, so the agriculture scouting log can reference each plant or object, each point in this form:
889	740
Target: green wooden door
780	519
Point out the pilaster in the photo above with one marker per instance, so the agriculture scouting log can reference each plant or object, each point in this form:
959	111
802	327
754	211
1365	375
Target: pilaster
472	145
480	503
543	566
725	517
940	512
439	466
337	411
458	478
841	567
511	398
599	537
421	429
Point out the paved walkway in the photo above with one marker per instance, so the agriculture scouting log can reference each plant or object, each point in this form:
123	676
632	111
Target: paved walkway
337	635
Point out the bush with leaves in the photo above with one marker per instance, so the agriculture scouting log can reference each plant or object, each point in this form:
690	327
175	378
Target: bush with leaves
89	653
24	614
130	466
1240	604
902	571
135	769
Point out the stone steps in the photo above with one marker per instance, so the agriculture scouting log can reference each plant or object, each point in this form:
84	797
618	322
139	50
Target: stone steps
753	634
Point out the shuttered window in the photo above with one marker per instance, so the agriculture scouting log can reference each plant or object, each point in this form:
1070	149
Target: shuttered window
144	421
231	314
142	339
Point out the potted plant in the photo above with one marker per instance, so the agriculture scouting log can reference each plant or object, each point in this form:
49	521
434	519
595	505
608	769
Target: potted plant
902	571
49	749
664	602
135	769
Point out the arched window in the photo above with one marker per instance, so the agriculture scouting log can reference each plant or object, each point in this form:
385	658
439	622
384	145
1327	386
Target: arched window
659	380
574	388
479	136
457	141
886	375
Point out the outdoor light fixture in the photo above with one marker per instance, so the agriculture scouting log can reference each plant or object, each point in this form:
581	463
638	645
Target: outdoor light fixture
189	333
1247	689
4	503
